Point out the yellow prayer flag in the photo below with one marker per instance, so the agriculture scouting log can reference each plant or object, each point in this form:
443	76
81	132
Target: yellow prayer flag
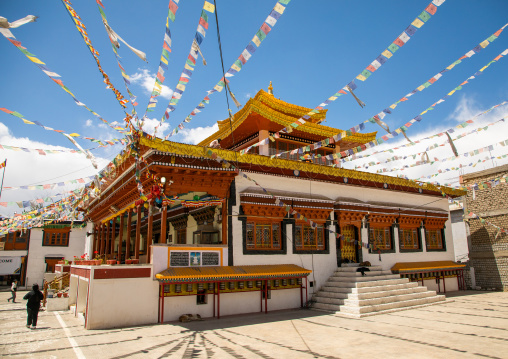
420	88
235	67
74	135
361	77
164	60
279	8
256	40
451	92
190	68
393	106
418	23
36	60
180	87
484	44
209	7
423	113
450	67
27	122
483	68
387	54
333	98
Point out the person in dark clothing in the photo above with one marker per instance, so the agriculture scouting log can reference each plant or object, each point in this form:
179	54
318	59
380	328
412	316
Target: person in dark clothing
32	306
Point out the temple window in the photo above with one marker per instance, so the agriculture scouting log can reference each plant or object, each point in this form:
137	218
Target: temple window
381	237
408	238
434	239
308	238
263	235
56	237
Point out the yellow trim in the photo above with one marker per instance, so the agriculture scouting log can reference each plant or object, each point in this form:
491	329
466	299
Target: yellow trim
218	272
118	213
232	156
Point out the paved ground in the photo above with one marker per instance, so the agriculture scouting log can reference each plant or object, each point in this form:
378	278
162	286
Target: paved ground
475	325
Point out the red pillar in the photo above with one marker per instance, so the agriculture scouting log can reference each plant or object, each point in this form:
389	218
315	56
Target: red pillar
164	218
128	237
138	232
108	234
120	238
149	234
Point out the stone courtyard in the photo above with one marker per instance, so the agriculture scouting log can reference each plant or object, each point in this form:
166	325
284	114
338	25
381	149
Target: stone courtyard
472	325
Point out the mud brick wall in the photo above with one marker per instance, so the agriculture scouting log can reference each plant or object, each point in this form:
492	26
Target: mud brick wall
488	250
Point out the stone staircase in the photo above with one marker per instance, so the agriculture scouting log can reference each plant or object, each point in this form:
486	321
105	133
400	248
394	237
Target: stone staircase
379	291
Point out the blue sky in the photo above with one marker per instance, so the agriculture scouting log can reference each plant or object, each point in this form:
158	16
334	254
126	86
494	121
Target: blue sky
312	52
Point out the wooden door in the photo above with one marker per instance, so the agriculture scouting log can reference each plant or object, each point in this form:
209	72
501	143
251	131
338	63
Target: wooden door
348	250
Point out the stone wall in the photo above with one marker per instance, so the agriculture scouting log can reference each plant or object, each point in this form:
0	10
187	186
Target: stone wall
488	250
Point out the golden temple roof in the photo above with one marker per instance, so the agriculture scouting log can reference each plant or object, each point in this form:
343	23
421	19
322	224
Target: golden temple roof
186	274
284	114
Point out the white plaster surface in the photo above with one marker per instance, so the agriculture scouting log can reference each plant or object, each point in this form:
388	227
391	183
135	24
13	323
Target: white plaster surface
115	303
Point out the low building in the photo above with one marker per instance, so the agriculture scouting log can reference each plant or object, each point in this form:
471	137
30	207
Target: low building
13	257
487	214
53	243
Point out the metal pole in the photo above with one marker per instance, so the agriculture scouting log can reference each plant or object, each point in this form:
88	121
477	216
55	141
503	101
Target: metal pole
3	175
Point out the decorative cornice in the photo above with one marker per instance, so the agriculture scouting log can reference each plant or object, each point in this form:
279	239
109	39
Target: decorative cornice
251	159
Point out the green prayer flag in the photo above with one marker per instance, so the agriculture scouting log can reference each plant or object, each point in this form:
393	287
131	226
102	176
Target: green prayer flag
171	15
424	16
261	35
366	73
393	47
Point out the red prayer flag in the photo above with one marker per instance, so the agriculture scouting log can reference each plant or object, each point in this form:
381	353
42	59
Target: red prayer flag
173	7
371	68
431	9
265	28
203	23
398	42
166	47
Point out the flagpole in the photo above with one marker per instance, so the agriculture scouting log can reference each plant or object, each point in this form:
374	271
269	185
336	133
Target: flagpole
3	175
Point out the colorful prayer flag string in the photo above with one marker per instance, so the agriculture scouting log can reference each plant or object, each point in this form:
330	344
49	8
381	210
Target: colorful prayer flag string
164	61
246	54
190	64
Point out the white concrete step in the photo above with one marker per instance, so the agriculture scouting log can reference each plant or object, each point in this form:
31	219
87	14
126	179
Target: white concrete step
386	293
388	299
362	284
361	278
374	274
337	289
353	309
353	269
326	294
326	300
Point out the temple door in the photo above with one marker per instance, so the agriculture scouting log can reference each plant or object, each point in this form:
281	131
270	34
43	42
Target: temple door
348	250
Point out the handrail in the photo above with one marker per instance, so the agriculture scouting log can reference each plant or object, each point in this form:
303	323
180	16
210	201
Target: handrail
47	284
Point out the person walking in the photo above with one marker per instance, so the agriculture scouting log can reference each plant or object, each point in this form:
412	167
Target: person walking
33	305
14	288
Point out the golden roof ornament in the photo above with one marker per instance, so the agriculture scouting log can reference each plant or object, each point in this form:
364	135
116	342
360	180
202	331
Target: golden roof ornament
270	88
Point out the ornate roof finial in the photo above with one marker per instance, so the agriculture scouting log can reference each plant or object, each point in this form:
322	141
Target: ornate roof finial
270	88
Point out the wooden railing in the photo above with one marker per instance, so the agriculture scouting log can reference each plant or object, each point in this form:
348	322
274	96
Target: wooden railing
59	282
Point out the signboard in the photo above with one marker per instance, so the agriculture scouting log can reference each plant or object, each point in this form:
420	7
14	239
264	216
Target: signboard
179	259
10	265
2	246
210	258
194	258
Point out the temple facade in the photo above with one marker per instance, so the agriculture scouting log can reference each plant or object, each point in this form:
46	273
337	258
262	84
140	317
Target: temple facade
222	230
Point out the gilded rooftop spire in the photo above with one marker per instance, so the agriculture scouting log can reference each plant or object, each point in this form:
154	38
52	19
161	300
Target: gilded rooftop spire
270	88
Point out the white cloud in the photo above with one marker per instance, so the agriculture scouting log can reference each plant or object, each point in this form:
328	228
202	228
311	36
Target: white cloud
465	110
88	123
147	80
150	124
198	134
248	95
30	168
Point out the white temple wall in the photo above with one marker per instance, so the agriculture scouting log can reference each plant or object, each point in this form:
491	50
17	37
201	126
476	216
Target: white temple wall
113	303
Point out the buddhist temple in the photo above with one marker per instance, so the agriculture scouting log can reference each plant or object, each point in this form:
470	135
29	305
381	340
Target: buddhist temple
218	230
